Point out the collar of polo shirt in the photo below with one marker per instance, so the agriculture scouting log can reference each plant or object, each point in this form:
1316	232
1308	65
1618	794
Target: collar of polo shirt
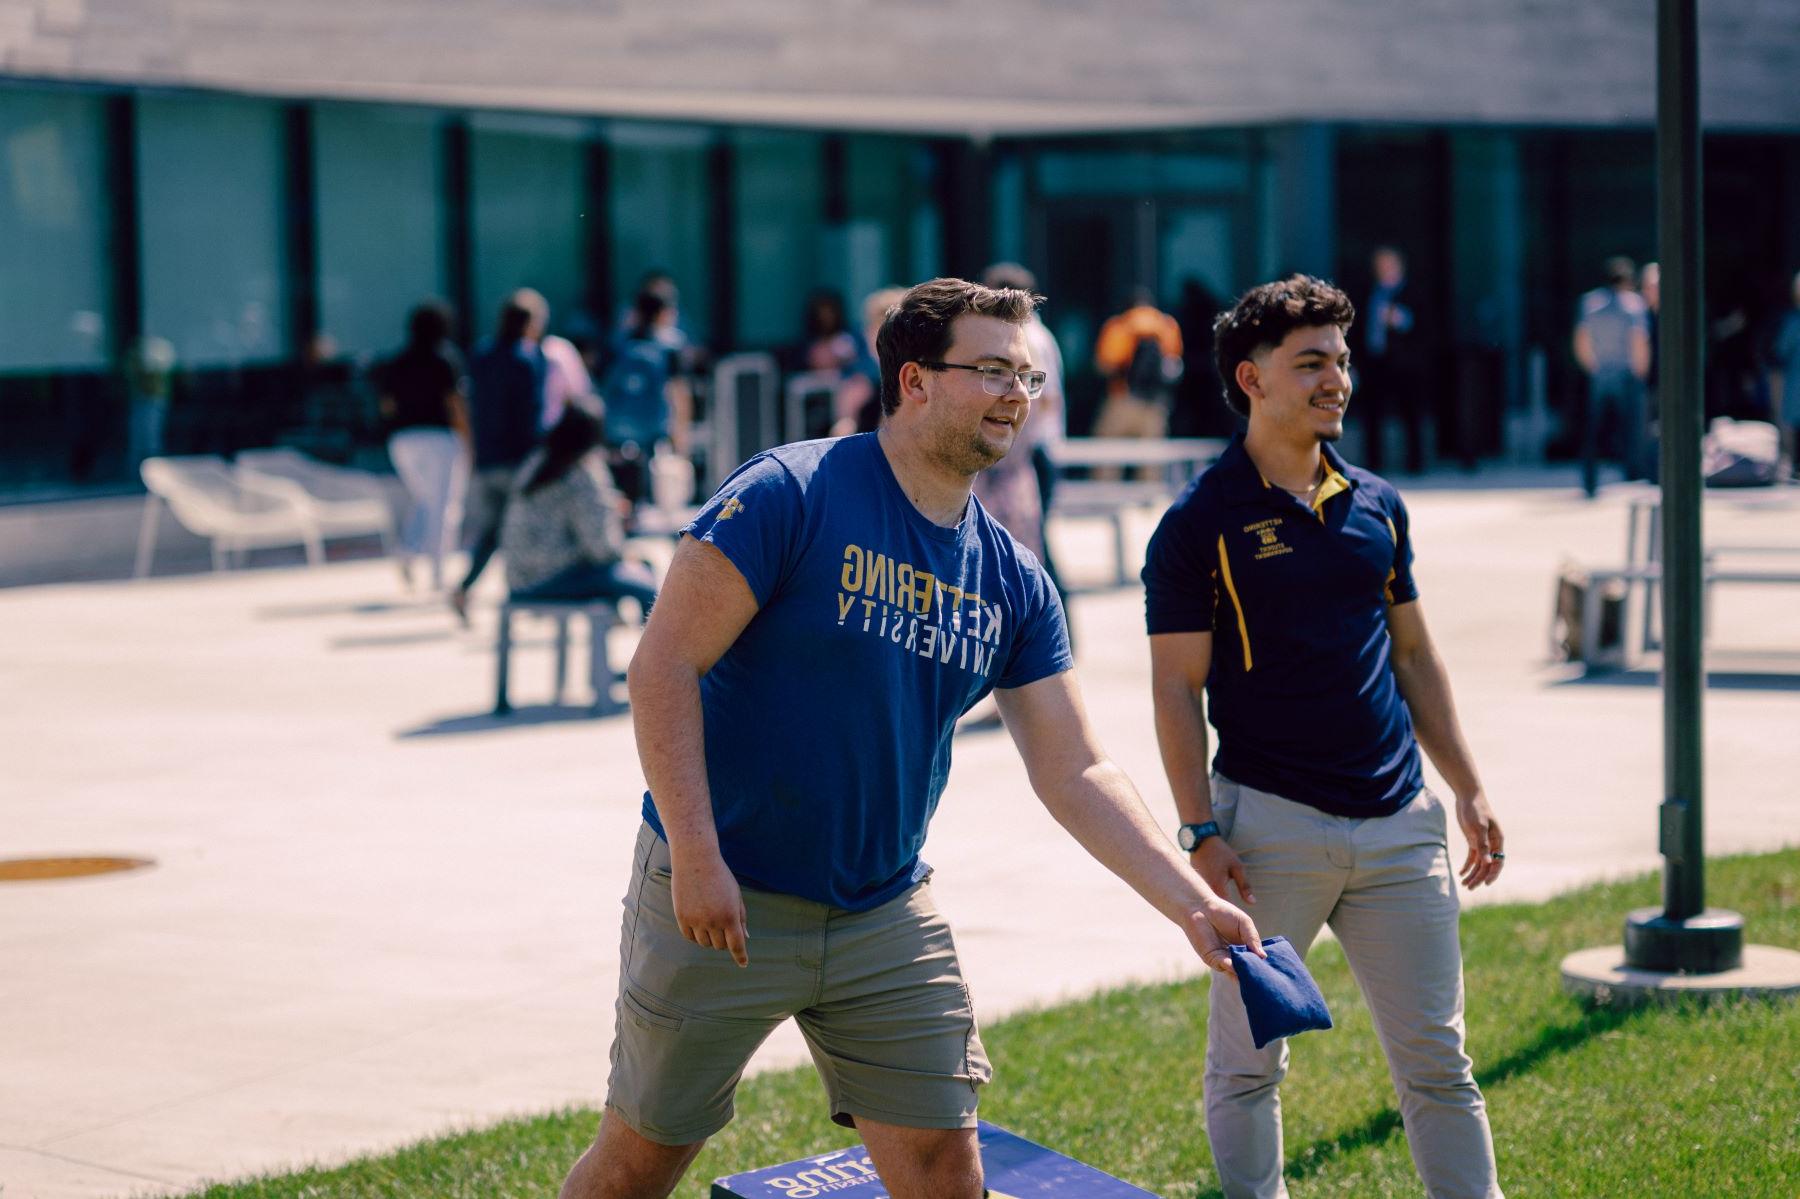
1244	483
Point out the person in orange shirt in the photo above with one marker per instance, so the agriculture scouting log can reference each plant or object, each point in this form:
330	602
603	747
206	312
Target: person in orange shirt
1139	354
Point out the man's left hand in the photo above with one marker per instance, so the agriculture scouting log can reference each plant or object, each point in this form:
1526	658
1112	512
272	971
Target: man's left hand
1487	844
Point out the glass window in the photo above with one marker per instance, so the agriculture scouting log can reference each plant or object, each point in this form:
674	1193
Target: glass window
529	201
53	227
777	194
893	235
210	177
660	215
380	221
1138	172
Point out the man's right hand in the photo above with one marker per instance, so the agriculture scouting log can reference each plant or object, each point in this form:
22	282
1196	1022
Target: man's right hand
709	907
1214	927
1215	861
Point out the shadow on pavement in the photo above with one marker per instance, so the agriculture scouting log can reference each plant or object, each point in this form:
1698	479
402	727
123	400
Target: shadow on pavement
351	608
518	718
1718	680
380	640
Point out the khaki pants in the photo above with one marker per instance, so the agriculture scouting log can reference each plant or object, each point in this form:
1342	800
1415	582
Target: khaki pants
1386	888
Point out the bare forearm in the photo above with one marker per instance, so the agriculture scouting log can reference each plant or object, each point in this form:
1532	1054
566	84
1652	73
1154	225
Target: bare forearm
1425	685
1102	811
681	410
1181	736
665	703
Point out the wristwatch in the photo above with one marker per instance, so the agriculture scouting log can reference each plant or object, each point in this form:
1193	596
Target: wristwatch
1191	835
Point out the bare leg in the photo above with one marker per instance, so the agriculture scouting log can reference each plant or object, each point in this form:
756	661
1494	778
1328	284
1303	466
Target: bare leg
620	1164
924	1163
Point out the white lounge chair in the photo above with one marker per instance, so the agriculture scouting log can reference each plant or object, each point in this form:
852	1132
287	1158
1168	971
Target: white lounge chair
236	511
344	502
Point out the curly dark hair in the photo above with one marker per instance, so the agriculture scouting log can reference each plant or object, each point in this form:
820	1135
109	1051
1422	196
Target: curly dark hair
1264	316
917	329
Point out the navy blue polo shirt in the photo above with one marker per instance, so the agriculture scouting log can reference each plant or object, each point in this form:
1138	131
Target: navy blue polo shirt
1301	689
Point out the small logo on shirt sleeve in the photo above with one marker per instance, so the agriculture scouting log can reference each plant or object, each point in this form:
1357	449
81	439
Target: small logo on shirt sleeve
730	508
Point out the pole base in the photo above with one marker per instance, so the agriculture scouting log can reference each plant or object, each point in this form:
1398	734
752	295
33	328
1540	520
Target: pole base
1600	976
1709	943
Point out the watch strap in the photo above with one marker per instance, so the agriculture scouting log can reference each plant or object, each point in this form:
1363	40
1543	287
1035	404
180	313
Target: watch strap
1193	836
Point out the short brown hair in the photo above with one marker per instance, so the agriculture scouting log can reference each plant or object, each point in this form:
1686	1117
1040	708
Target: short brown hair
917	329
1264	316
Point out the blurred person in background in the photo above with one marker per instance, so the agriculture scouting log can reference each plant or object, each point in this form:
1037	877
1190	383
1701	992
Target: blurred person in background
563	536
1784	377
1033	451
1138	353
422	389
1196	409
1391	379
829	344
1650	287
507	378
649	406
1612	344
565	377
856	408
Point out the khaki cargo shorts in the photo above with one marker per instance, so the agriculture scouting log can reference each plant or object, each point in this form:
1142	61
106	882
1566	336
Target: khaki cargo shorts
878	995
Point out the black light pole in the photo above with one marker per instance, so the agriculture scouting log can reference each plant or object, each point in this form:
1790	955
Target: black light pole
1683	935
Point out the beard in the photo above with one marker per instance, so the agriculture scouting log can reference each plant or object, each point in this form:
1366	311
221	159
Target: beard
967	453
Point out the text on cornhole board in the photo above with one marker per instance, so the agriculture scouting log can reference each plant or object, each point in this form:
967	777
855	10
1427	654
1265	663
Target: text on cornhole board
1015	1168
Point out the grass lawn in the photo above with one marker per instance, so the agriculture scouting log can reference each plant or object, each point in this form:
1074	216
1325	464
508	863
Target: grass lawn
1654	1103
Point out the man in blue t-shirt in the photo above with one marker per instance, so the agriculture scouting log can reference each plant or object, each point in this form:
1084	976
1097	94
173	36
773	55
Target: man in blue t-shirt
1279	586
828	616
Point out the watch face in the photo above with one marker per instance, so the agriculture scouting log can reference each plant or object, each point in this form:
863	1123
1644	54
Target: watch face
1187	838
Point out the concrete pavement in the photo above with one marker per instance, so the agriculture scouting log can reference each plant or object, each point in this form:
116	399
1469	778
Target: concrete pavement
377	914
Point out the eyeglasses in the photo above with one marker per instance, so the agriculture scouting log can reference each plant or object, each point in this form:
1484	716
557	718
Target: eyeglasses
997	380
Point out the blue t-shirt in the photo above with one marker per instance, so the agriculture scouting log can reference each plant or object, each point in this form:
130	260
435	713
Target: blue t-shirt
828	722
1301	688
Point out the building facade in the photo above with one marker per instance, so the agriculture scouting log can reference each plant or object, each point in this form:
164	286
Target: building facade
213	217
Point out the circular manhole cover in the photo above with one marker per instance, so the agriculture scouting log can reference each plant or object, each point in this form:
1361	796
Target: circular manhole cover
32	870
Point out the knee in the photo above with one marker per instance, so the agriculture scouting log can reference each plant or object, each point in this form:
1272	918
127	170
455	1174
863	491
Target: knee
1246	1078
621	1164
950	1175
1445	1079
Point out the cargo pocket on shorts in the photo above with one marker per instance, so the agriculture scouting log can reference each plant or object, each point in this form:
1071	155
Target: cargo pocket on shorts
647	1014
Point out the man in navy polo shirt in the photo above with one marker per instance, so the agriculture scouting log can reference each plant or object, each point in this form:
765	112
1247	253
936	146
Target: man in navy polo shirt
828	616
1280	586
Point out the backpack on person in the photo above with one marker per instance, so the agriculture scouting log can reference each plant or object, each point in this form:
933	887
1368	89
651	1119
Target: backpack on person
1151	373
633	388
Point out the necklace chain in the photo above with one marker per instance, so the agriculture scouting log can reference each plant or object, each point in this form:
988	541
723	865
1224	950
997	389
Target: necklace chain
1315	485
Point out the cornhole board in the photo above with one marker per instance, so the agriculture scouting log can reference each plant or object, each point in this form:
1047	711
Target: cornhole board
1015	1169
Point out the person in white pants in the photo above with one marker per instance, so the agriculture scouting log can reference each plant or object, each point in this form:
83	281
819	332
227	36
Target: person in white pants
433	465
422	391
1280	601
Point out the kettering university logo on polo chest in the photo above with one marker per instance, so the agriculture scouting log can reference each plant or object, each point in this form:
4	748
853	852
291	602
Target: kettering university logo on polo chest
1268	538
